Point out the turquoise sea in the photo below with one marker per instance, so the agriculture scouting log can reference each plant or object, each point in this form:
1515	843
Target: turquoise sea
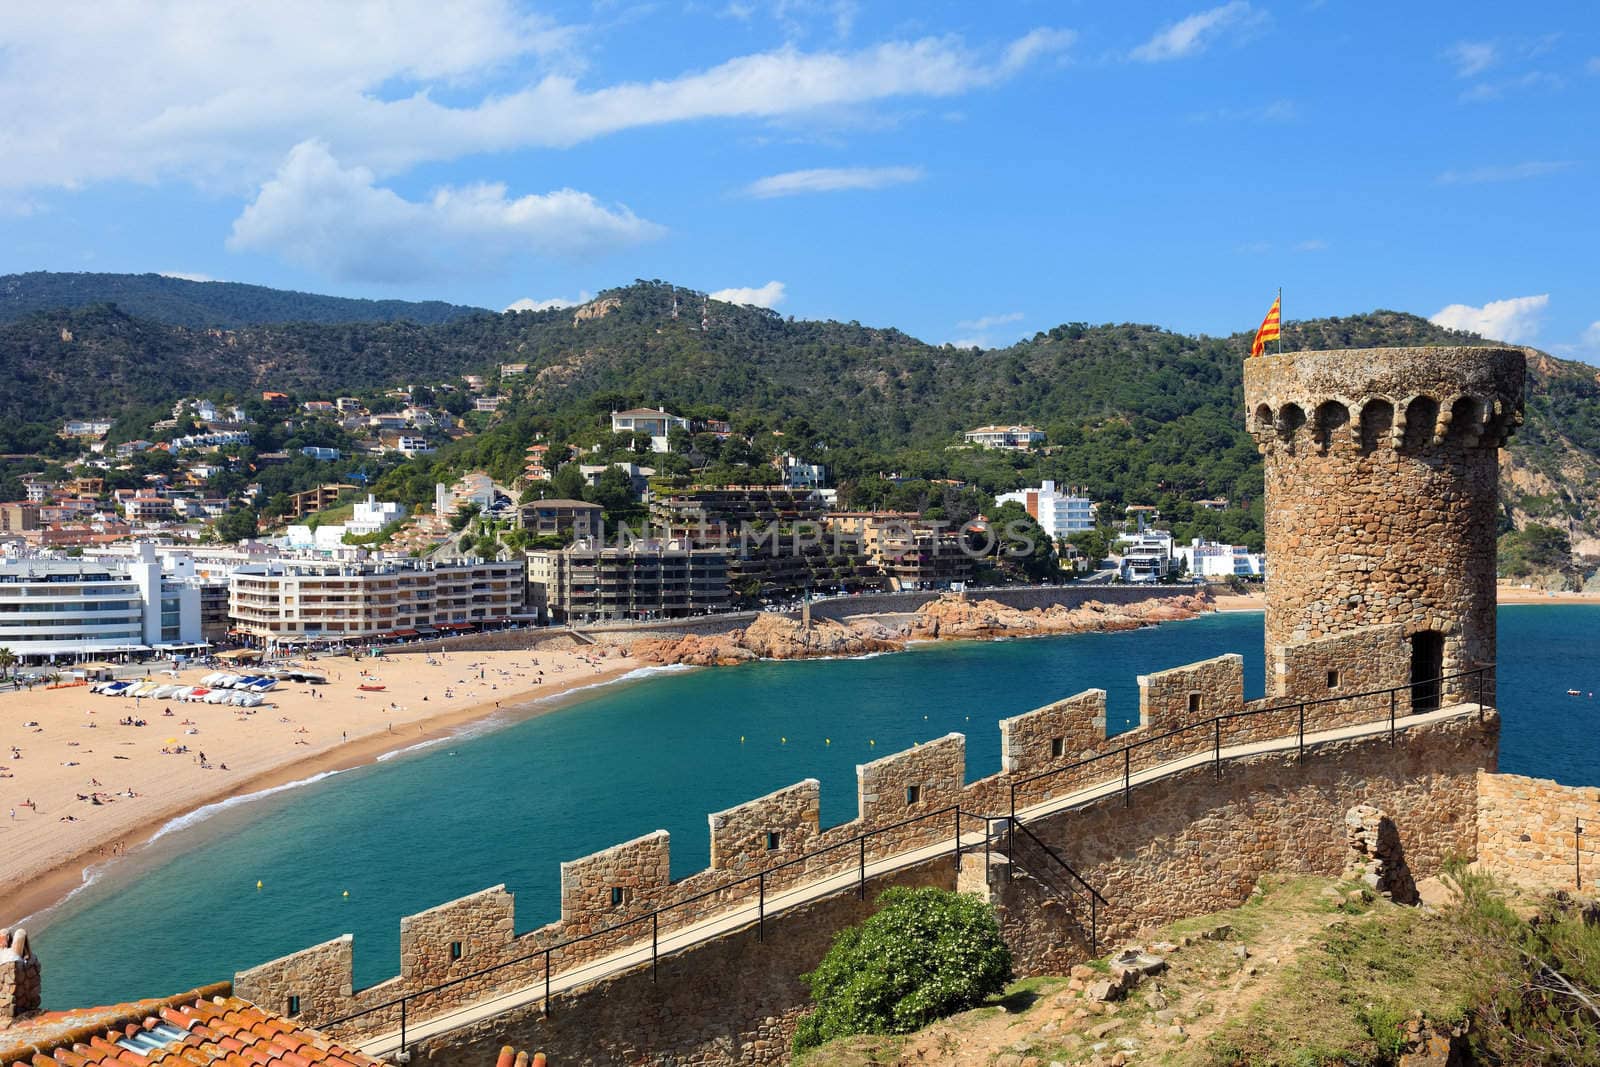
509	804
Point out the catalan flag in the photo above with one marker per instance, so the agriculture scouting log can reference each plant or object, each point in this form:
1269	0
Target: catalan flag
1269	327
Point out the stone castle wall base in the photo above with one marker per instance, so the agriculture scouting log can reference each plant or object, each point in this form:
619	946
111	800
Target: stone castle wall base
1191	844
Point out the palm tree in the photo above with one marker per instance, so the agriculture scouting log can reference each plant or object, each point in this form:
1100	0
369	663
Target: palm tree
8	659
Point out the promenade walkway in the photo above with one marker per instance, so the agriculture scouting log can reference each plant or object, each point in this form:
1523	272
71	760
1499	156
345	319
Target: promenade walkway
745	915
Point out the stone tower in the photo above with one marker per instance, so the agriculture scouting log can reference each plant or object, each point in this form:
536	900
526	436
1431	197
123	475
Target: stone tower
1382	474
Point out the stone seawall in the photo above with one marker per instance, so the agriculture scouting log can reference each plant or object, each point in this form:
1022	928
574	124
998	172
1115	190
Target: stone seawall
1528	831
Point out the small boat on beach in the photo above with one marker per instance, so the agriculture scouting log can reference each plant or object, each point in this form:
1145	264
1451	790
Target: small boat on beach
370	688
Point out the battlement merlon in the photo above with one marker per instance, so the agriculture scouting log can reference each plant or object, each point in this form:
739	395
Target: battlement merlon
436	942
775	827
1180	696
912	781
1056	734
600	888
321	978
1393	396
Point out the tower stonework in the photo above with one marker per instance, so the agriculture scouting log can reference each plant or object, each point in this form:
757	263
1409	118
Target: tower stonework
1382	494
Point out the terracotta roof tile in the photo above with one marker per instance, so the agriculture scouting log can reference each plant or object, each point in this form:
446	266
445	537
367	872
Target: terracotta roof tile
217	1030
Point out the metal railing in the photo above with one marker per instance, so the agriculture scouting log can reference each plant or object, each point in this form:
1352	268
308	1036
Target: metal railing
1011	823
1214	725
1073	888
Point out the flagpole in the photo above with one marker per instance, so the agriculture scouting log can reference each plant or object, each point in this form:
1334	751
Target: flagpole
1279	303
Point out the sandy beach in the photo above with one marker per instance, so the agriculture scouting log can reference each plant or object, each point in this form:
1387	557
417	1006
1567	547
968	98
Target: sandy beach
61	750
1240	601
1512	594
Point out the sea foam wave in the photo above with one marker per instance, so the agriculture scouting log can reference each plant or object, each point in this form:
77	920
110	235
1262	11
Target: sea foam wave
200	814
384	757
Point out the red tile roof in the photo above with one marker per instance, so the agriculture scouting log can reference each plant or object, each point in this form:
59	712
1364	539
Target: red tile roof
195	1029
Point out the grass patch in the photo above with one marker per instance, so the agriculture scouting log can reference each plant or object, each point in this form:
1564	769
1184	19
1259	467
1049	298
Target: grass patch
1347	996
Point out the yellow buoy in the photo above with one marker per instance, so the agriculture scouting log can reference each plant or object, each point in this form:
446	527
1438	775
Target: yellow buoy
827	740
258	883
347	893
741	739
785	740
872	742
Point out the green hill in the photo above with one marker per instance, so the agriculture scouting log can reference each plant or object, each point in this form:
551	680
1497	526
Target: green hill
1135	413
181	302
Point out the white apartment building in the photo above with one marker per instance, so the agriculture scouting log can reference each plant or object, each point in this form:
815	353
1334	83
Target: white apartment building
1058	514
1147	556
296	601
66	609
372	515
1212	559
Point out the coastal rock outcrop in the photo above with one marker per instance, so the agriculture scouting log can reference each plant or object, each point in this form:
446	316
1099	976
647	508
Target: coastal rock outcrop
956	618
770	637
950	618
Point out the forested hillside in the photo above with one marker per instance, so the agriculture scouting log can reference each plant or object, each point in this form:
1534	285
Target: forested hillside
182	302
1135	414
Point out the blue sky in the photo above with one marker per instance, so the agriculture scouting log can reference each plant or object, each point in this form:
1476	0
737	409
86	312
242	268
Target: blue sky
969	172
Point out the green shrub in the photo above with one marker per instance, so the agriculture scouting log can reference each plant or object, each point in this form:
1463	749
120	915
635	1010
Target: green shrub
925	954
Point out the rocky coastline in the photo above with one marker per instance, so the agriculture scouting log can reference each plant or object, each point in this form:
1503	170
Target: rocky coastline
950	618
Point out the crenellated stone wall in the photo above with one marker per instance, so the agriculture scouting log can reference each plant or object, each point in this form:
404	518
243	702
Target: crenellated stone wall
1536	832
1196	842
321	979
1191	843
607	897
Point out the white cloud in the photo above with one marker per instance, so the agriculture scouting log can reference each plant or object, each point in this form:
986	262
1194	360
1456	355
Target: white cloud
1191	35
1533	79
1591	338
767	296
337	220
1472	57
527	303
183	275
989	322
1515	320
216	94
1504	172
984	331
1276	111
1262	248
1593	66
831	180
